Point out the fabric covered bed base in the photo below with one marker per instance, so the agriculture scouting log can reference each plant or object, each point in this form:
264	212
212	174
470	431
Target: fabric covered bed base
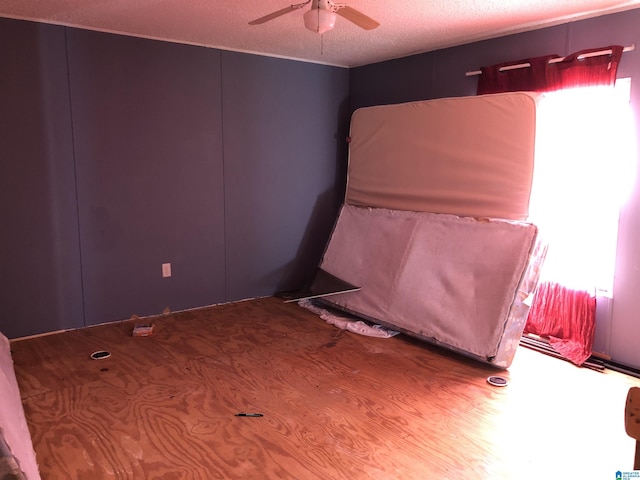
460	282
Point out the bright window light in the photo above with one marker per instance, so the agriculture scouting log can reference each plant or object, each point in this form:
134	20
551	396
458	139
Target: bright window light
584	166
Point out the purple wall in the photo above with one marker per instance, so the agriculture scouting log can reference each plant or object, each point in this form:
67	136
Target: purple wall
40	276
284	144
149	166
120	154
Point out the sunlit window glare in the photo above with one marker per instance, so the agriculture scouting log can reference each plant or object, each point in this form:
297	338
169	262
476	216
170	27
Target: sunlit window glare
584	168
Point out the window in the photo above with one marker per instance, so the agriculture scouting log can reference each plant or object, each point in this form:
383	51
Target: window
583	169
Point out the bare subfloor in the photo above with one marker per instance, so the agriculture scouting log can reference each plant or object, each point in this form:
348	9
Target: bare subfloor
335	405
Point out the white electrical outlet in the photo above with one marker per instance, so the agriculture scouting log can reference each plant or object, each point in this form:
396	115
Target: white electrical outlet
166	270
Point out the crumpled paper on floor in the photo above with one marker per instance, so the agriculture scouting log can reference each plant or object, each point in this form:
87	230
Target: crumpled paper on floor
347	323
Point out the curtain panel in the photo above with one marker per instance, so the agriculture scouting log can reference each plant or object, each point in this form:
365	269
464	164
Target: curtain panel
544	75
567	317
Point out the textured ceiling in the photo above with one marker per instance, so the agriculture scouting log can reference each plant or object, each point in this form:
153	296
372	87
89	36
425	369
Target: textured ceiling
407	26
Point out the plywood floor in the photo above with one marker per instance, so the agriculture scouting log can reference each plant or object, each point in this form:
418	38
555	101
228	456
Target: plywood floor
336	405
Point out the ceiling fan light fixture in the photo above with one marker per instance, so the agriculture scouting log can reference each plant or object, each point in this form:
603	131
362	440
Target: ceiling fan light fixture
319	20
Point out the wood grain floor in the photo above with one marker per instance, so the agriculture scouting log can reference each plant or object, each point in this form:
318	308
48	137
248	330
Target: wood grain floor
336	405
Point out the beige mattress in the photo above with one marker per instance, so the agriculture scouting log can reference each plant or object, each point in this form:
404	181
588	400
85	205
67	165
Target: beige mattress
470	156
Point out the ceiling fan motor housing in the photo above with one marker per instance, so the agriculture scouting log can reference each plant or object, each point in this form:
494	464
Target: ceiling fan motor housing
321	18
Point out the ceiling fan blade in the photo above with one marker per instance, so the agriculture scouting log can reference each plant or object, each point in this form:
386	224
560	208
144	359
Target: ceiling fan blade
357	17
273	15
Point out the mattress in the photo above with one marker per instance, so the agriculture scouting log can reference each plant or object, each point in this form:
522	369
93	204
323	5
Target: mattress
470	156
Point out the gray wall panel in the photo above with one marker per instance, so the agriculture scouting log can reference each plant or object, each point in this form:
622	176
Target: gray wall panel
148	142
40	286
284	145
396	81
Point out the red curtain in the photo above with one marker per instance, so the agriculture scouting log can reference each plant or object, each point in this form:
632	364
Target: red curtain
576	70
565	316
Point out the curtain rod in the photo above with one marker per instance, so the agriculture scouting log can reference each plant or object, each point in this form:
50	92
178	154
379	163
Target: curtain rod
555	60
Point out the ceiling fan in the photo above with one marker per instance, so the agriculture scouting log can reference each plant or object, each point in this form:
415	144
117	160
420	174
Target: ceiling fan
322	15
